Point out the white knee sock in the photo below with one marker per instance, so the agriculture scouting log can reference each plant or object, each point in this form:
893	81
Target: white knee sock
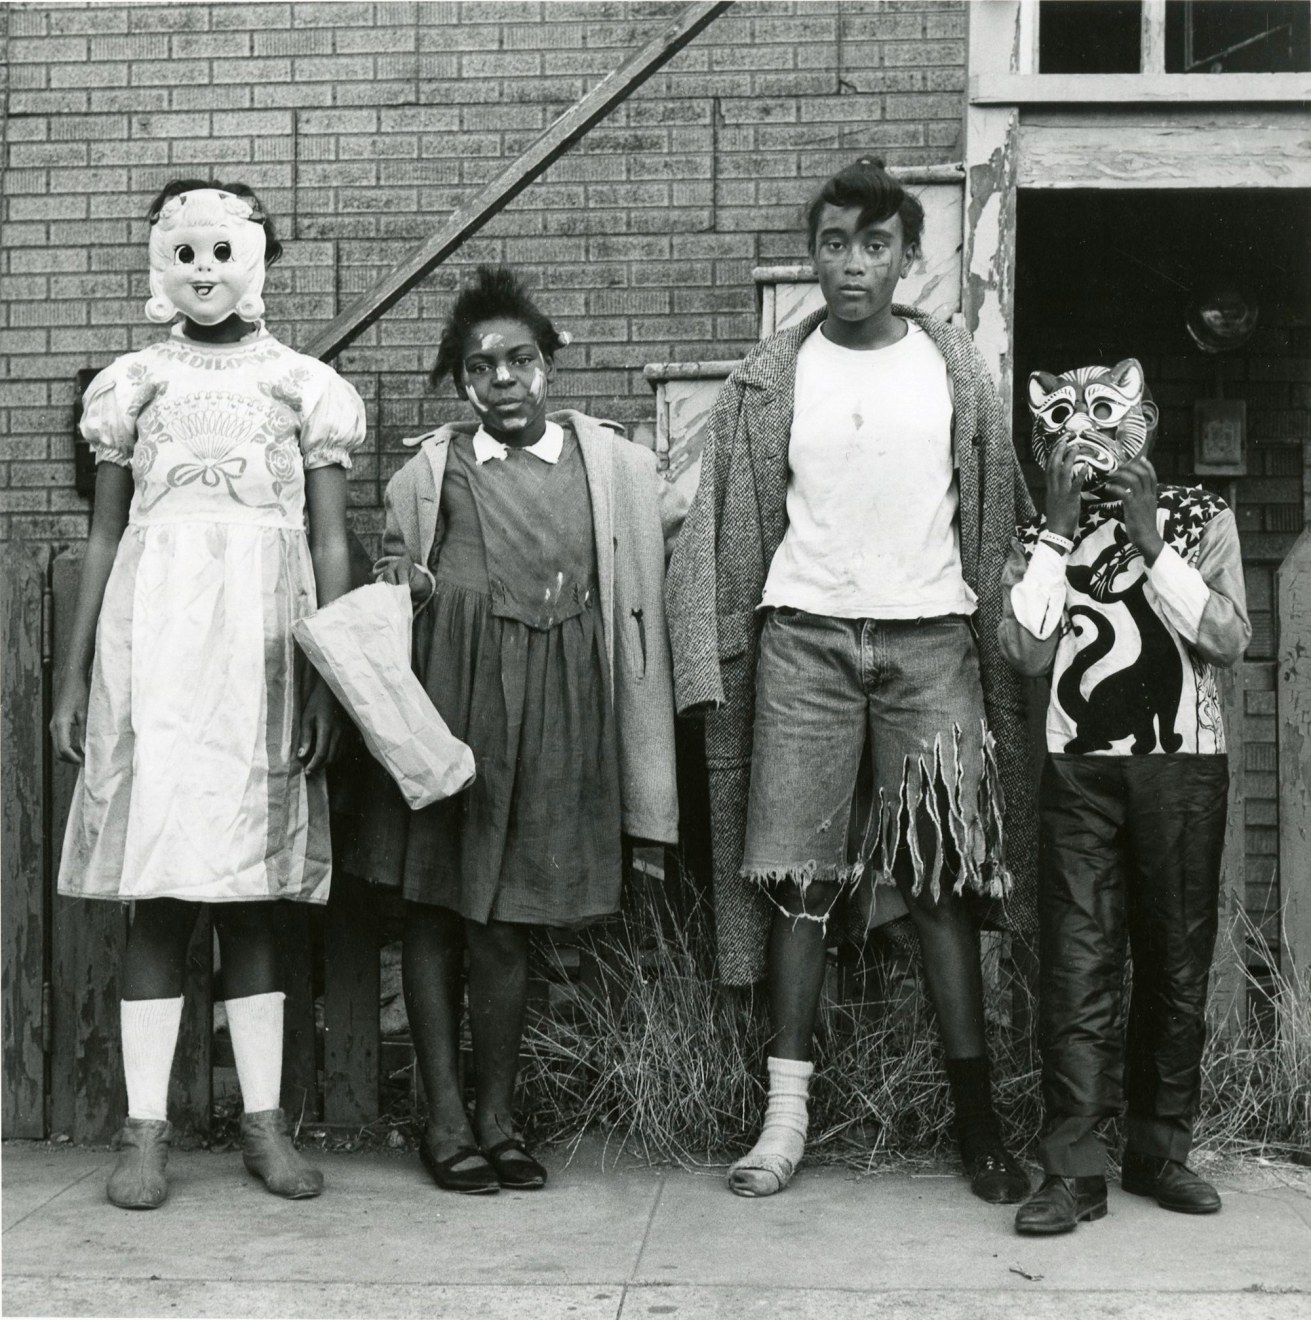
256	1026
769	1164
149	1029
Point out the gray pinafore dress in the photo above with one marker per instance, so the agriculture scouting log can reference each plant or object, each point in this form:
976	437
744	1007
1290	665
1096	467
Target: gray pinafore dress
512	653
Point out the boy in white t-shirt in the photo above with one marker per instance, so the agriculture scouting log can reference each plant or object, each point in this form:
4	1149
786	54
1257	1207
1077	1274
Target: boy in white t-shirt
868	638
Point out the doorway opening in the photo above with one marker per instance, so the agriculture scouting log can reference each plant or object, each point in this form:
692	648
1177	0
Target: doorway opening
1105	275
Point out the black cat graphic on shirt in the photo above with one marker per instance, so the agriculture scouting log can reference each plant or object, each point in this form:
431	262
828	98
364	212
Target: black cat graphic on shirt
1140	701
1123	680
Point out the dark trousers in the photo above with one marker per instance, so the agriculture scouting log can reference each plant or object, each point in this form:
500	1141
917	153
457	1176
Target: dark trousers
1130	854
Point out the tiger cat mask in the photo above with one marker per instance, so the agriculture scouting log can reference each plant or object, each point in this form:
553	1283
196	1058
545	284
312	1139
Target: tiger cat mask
1104	411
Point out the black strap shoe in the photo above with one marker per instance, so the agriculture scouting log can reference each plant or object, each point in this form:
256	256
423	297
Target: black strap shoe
1060	1204
477	1178
516	1169
1170	1183
997	1176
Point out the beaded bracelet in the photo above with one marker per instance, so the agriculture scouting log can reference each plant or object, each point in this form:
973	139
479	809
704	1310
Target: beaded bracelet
1056	541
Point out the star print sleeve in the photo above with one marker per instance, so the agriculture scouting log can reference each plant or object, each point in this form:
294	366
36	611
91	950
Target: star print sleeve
1033	604
1206	601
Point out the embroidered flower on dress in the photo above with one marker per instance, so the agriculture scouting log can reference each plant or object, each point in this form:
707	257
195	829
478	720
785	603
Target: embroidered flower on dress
283	462
143	458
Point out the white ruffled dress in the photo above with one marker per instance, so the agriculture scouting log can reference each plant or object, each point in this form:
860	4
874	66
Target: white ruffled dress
191	787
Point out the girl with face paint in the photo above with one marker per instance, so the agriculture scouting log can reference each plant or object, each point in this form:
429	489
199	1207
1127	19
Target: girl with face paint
219	520
533	548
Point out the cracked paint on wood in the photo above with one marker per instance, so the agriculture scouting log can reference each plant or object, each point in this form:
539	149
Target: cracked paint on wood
1150	148
989	289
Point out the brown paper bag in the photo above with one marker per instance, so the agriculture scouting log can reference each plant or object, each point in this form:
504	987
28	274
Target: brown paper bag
360	643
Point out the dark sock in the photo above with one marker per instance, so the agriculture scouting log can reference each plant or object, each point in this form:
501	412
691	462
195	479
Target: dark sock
977	1128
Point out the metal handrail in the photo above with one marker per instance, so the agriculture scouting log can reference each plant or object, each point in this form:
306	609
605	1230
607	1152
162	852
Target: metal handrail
612	91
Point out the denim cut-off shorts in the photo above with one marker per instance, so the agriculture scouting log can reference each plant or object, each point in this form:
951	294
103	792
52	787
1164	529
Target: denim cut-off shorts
911	687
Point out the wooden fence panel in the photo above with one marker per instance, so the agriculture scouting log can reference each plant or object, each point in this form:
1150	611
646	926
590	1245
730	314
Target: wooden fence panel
88	1101
22	838
1229	994
300	1067
191	1085
350	1003
1294	600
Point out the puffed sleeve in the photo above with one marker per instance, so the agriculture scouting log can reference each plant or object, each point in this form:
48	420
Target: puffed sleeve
110	408
333	427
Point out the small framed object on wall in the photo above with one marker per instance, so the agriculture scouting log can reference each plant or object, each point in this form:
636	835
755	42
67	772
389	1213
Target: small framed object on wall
1220	437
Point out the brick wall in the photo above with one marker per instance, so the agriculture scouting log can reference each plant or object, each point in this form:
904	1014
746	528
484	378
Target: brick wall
364	125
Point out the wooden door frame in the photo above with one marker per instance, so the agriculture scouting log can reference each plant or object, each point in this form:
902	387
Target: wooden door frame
1025	129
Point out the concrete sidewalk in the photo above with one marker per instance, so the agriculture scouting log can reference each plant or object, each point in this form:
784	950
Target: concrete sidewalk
630	1241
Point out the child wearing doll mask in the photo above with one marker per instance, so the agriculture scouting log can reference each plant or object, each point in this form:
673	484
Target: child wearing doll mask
219	520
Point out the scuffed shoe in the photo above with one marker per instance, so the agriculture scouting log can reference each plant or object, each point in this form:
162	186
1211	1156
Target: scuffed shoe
268	1153
1060	1204
138	1180
1170	1183
997	1176
760	1173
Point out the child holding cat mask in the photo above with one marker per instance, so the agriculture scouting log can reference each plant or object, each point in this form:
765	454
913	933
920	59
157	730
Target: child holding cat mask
1131	593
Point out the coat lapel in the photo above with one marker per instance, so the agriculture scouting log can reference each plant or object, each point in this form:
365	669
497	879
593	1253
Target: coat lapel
771	389
428	501
956	353
597	447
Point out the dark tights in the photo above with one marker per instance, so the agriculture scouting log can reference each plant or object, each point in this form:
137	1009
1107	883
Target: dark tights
435	940
155	960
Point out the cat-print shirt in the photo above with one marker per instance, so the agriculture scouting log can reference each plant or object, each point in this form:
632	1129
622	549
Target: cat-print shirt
1132	649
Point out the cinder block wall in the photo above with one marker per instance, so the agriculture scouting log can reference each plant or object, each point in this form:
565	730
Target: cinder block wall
364	125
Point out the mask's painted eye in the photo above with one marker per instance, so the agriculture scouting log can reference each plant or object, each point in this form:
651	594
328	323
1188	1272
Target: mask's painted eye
222	251
1102	411
1059	414
184	254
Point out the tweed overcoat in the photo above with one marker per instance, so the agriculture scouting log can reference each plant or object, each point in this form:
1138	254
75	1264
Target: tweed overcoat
717	577
630	561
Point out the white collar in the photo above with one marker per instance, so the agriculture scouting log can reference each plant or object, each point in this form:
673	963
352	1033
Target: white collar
548	448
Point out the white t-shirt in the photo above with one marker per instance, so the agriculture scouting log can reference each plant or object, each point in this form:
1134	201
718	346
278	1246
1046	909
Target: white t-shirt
872	493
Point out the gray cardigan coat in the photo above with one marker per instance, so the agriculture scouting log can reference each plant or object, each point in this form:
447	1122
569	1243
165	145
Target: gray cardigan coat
630	565
717	577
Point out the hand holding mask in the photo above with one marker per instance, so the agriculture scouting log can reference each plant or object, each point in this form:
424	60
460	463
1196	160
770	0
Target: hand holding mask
1102	414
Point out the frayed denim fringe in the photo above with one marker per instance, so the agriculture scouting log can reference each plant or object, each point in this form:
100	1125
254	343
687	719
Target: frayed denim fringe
979	838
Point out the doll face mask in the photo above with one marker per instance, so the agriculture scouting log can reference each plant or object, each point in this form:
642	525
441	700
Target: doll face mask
206	259
1102	411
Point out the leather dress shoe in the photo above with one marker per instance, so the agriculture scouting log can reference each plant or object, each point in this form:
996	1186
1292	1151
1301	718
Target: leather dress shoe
1170	1183
997	1176
1060	1204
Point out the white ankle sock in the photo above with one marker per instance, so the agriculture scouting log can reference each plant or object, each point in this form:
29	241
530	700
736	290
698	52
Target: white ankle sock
255	1023
149	1029
782	1140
